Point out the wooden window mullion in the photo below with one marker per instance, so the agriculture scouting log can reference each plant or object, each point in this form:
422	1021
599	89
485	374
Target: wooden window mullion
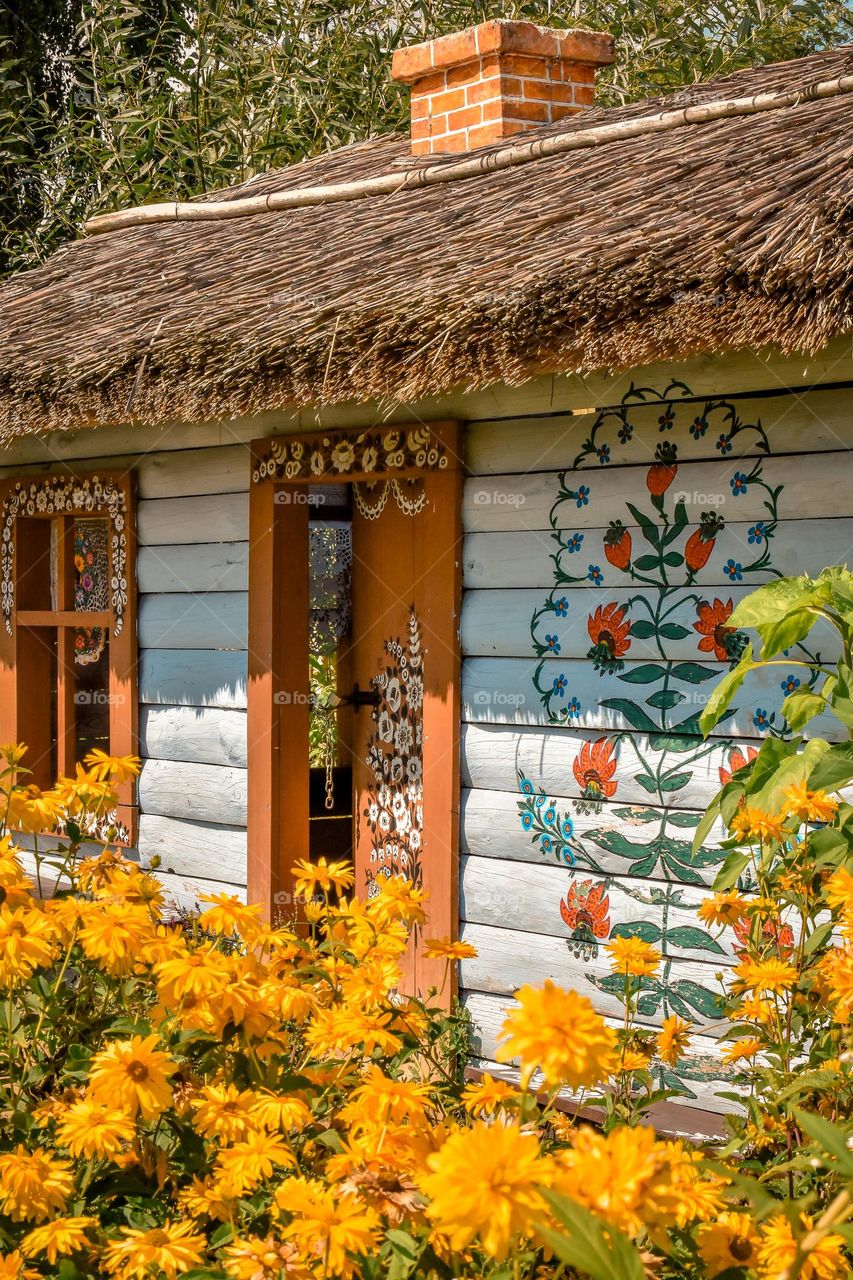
65	677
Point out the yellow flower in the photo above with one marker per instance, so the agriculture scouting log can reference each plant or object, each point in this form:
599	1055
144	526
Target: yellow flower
117	769
398	899
329	1228
633	957
229	915
729	1242
58	1238
202	974
559	1032
740	1050
114	933
380	1100
243	1165
483	1097
269	1259
778	1249
280	1111
446	949
754	1009
609	1174
723	909
770	975
836	970
484	1184
33	810
838	889
322	875
33	1186
754	825
12	1265
809	806
222	1111
205	1198
673	1039
167	1251
26	943
633	1060
134	1075
94	1129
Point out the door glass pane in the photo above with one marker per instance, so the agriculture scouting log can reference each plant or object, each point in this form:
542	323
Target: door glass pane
91	585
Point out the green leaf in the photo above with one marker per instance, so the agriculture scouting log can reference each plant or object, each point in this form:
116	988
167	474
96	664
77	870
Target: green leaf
691	937
818	937
699	998
602	1253
829	1137
663	699
730	872
674	782
801	706
636	716
795	769
770	603
722	695
705	824
787	632
645	673
694	672
642	629
645	563
645	929
834	769
673	631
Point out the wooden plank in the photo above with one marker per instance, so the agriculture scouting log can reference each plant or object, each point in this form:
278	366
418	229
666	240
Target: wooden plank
612	840
494	754
206	849
811	421
198	735
218	620
193	471
508	959
513	895
193	792
193	567
163	521
523	559
193	677
512	502
498	622
502	691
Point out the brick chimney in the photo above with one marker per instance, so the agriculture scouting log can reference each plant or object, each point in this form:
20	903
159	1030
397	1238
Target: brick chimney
490	81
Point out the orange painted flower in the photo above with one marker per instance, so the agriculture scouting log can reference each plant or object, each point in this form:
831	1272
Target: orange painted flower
716	636
585	909
774	933
737	760
610	634
594	768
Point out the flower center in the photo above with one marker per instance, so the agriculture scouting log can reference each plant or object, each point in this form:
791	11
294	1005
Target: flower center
157	1238
137	1070
740	1248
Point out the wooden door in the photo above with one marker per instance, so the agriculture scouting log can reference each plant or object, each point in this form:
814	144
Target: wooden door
404	650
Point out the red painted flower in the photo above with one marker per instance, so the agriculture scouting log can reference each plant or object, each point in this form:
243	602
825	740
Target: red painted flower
700	544
736	761
617	545
610	634
586	912
716	636
773	932
662	472
594	767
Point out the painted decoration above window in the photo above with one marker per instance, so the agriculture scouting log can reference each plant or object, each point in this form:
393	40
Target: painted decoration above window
379	450
91	585
59	495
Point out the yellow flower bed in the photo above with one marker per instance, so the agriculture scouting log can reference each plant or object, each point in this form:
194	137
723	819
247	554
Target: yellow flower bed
224	1097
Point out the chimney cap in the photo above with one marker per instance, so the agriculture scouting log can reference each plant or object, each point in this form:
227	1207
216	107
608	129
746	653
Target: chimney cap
501	35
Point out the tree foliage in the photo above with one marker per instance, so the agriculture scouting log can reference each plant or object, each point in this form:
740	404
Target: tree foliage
105	103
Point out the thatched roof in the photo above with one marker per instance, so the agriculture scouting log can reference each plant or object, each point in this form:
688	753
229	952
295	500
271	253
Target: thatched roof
710	236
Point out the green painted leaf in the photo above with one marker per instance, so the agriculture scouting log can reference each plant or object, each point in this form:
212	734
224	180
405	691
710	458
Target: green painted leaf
646	781
645	929
676	744
645	563
699	998
694	672
635	715
645	673
672	631
642	629
663	699
673	559
675	781
678	818
693	938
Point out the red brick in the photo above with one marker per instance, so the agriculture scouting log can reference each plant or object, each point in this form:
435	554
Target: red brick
559	112
437	125
465	119
464	74
495	109
485	134
435	83
517	65
453	142
419	109
584	95
517	37
541	91
490	66
450	100
482	91
421	147
582	73
420	129
535	112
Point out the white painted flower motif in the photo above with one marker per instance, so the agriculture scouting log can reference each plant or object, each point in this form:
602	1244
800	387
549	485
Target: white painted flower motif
393	695
385	727
343	456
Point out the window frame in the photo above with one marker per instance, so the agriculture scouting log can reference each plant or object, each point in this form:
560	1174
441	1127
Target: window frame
64	496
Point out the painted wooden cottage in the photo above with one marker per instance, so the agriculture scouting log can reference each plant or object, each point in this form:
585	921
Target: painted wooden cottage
395	503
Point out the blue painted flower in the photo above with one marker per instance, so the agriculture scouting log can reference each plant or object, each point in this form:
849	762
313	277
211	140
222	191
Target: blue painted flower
761	720
666	419
574	542
583	496
526	821
527	786
567	828
573	709
546	843
734	569
603	454
724	444
595	575
790	683
698	428
539	800
552	644
549	815
626	432
559	687
738	483
756	534
561	607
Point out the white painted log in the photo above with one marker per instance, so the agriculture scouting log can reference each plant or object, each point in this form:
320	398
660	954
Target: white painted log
213	566
198	735
523	559
810	490
518	895
193	792
214	620
703	1073
193	471
205	849
501	691
810	421
507	960
193	677
222	517
491	827
498	623
184	893
493	755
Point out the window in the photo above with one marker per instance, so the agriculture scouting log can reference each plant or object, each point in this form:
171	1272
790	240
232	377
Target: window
68	623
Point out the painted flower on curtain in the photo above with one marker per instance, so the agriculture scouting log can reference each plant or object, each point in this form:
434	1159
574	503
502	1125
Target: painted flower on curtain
91	585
